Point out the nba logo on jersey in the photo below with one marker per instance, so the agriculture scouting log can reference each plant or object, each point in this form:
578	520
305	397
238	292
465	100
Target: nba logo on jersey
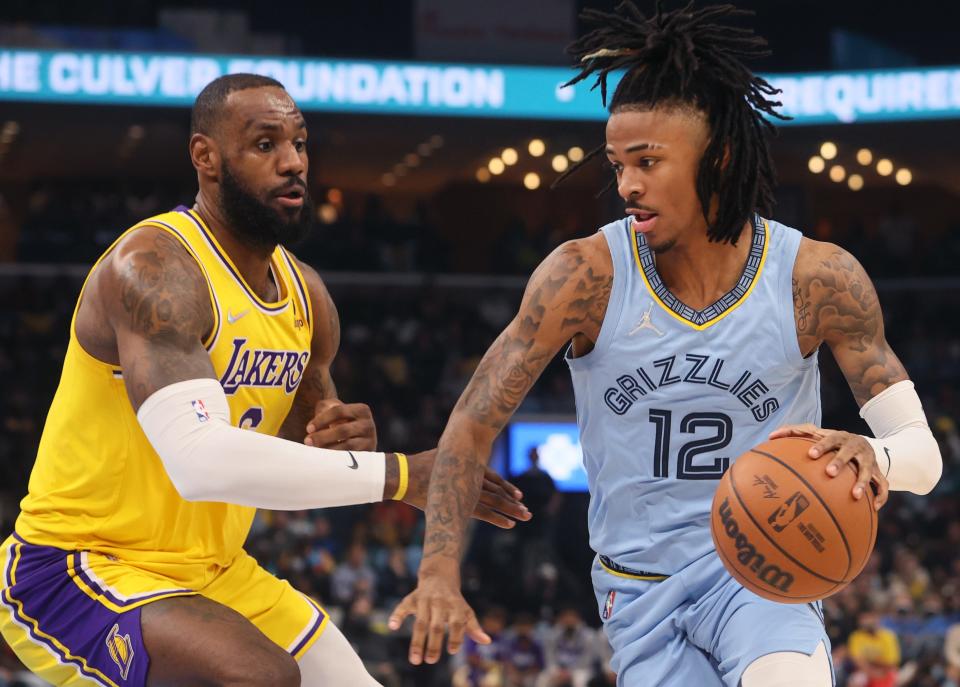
201	411
608	605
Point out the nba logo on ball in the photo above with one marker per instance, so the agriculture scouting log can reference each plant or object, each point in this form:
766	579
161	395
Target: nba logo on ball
789	511
608	605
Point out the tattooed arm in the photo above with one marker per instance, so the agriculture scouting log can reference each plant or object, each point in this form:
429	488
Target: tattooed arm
835	303
565	299
155	300
318	417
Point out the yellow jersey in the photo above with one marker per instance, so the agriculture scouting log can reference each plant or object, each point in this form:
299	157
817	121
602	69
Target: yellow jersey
97	483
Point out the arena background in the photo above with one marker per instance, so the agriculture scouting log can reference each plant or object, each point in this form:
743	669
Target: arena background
425	252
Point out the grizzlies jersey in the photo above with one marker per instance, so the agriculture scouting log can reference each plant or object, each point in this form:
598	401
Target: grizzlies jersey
670	396
97	483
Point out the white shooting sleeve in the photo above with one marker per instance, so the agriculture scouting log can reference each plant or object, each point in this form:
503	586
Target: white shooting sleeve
907	452
208	459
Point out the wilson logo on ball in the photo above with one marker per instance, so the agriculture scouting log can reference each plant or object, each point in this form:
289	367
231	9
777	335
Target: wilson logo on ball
747	554
789	511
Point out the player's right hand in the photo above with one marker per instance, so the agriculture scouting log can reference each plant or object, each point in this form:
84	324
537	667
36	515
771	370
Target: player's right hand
342	426
439	608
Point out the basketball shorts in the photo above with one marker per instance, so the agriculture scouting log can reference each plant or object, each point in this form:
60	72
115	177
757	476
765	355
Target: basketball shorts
73	617
697	627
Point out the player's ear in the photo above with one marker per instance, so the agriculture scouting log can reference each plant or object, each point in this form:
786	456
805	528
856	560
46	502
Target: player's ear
204	155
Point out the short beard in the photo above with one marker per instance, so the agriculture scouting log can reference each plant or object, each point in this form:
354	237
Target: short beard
257	224
662	247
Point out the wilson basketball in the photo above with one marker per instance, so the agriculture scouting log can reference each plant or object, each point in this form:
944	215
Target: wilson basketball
785	529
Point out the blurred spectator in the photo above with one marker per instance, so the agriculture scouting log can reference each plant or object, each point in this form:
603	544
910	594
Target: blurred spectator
396	580
875	652
353	577
484	662
522	653
951	652
571	652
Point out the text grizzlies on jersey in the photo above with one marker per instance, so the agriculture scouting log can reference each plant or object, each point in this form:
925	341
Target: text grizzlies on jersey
263	367
633	385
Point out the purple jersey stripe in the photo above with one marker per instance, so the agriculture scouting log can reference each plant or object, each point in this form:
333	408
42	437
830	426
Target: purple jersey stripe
301	287
226	263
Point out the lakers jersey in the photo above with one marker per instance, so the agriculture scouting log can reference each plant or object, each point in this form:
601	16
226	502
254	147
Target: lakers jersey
670	396
98	485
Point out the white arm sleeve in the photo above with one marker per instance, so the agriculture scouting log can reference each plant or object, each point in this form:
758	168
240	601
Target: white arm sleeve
207	459
907	452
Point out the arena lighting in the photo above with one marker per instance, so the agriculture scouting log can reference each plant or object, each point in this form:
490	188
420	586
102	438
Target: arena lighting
388	179
837	173
816	164
335	196
436	141
536	147
864	156
904	176
575	154
509	156
327	213
855	182
411	160
483	175
400	169
424	149
559	163
828	150
496	166
884	167
136	132
531	180
9	131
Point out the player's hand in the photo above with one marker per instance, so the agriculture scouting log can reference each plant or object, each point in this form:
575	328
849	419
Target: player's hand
439	608
499	502
850	448
342	426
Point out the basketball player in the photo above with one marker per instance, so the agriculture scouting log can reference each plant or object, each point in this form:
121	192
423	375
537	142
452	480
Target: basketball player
694	325
127	566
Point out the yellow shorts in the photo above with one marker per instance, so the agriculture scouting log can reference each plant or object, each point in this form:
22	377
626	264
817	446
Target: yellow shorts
73	617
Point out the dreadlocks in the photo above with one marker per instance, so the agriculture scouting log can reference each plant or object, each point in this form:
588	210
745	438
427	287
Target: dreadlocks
684	59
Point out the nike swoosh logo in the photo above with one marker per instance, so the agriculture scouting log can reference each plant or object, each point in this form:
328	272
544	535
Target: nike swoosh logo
231	318
889	459
354	459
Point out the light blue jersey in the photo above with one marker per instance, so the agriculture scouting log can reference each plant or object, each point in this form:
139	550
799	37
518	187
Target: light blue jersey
666	400
670	396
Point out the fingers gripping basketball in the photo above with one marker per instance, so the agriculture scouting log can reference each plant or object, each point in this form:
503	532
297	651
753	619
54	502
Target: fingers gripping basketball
785	529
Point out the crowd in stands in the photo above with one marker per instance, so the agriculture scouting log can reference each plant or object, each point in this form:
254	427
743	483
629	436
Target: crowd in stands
74	220
408	352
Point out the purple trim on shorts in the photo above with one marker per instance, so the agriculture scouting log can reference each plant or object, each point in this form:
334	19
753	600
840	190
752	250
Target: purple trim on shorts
110	596
321	615
45	594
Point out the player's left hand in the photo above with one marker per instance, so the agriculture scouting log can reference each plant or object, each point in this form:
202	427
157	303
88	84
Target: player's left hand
342	426
499	502
849	448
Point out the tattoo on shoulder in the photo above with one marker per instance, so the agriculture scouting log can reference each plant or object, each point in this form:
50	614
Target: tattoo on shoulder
836	303
159	289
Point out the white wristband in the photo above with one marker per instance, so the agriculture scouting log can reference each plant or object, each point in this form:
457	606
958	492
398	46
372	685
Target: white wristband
207	459
907	453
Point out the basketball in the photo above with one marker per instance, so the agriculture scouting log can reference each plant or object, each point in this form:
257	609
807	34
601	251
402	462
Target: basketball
785	529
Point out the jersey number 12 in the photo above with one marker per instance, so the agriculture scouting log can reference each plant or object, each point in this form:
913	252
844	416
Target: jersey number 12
720	423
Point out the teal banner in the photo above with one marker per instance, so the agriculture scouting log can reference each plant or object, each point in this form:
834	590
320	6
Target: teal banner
411	88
